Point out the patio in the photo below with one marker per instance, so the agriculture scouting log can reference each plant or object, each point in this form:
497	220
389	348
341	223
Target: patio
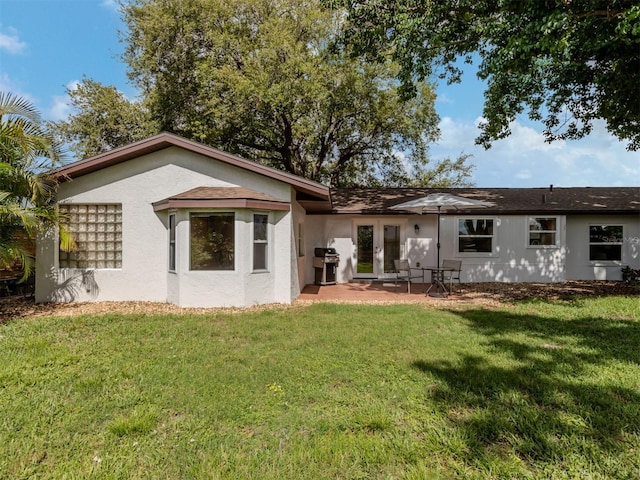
366	291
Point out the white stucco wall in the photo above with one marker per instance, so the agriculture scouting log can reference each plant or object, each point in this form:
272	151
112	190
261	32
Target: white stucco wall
579	267
298	248
512	259
144	275
339	231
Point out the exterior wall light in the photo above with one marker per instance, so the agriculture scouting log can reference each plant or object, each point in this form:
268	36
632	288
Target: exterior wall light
416	227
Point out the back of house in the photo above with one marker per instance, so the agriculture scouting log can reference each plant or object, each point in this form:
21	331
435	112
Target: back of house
171	220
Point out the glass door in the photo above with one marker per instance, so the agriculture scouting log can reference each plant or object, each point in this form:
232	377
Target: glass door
366	252
378	243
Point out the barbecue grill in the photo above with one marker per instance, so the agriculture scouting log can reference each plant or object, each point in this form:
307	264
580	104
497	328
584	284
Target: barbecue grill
325	264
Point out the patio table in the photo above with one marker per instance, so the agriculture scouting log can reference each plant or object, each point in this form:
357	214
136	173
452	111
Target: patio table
437	281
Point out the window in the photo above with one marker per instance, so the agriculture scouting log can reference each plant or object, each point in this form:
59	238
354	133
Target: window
301	239
260	241
212	240
475	235
391	247
97	230
543	231
172	243
605	242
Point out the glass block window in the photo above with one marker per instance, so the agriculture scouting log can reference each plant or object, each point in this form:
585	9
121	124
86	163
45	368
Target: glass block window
543	231
97	230
605	242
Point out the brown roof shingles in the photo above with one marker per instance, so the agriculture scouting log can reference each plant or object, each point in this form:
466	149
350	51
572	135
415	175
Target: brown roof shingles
576	200
221	197
218	193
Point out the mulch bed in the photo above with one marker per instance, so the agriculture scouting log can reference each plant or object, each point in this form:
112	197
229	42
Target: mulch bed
510	292
486	294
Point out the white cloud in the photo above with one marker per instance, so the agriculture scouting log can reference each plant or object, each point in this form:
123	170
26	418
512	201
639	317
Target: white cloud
110	5
5	83
524	159
454	133
9	86
11	43
527	138
60	108
444	98
61	105
524	175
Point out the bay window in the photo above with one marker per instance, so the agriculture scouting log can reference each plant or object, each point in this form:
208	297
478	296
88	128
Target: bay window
212	241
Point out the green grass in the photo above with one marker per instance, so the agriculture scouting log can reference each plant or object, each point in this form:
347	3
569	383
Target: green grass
539	390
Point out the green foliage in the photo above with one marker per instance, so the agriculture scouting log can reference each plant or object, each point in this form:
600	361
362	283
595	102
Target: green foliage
103	119
263	79
537	390
27	189
567	63
630	275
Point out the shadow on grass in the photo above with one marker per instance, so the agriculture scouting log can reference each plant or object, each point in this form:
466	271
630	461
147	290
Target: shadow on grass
545	390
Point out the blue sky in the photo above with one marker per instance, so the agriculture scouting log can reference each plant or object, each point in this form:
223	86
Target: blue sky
47	45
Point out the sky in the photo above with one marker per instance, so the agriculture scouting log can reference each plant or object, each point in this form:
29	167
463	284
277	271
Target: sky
49	45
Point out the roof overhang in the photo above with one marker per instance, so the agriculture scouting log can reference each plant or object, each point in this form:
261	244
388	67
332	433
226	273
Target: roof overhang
222	197
164	140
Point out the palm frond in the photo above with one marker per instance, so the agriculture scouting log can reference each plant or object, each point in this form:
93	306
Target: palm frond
27	189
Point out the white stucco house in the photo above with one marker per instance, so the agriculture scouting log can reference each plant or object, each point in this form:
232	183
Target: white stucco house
170	220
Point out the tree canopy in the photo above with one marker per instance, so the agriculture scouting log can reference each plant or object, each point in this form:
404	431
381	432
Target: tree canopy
104	118
264	79
565	62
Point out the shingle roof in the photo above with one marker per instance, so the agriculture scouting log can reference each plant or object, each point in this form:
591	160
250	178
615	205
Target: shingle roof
219	193
225	197
311	191
576	200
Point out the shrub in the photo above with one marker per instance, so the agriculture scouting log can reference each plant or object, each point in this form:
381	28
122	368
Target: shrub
630	275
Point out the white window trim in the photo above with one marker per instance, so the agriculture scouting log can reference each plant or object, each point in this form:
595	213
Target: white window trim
494	237
174	242
556	231
268	242
621	243
301	245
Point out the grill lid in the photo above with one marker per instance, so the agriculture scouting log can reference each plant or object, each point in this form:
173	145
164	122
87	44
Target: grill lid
323	252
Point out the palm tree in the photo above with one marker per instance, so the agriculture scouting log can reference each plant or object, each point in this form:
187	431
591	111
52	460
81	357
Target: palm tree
27	188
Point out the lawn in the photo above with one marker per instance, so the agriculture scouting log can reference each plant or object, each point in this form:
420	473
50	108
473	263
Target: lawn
538	390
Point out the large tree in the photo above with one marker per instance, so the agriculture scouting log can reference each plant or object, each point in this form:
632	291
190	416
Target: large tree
262	78
27	189
564	62
102	118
